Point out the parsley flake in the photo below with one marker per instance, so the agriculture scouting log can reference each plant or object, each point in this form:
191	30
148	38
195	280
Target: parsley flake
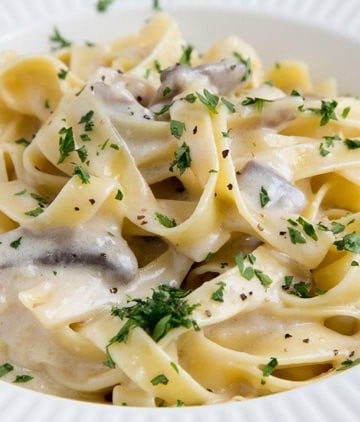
218	295
5	368
82	174
66	143
269	369
119	195
295	236
246	63
229	105
350	242
166	309
264	197
165	221
102	5
256	101
87	120
160	379
23	378
58	40
348	363
35	212
177	128
209	100
62	75
16	243
185	58
182	159
352	143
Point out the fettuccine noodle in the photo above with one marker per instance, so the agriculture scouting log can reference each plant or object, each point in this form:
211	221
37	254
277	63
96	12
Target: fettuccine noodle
176	228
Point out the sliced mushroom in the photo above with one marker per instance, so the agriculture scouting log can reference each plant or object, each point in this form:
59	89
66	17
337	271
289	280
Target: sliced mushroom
221	77
66	247
123	93
281	194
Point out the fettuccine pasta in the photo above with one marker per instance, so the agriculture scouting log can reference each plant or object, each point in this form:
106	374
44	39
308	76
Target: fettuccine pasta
177	227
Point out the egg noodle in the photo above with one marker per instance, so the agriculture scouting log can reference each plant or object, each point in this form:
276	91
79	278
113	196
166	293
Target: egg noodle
177	228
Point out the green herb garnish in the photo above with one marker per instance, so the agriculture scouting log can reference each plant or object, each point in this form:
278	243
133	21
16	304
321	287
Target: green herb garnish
82	174
264	197
58	40
165	221
256	101
350	242
218	295
177	128
166	309
5	368
209	100
182	159
66	143
159	379
185	58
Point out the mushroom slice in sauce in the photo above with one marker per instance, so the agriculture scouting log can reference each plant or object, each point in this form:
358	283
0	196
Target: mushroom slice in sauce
282	195
123	93
221	77
68	247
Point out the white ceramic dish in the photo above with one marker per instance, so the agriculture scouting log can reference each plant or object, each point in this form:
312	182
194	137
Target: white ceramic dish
324	33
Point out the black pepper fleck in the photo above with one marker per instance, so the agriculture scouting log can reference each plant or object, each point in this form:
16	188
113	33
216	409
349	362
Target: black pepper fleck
92	201
195	130
113	290
243	296
225	153
287	335
229	186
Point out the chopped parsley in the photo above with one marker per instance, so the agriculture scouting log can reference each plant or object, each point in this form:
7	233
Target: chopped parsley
300	288
87	120
352	143
5	368
82	153
209	100
102	5
16	243
348	363
190	98
62	74
308	228
345	112
22	141
166	91
256	101
350	242
82	174
269	368
328	143
119	195
58	40
264	279
35	212
229	105
164	109
156	5
66	143
159	379
23	378
165	221
185	58
174	366
295	236
246	63
166	309
177	128
326	111
218	295
246	272
182	159
264	197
